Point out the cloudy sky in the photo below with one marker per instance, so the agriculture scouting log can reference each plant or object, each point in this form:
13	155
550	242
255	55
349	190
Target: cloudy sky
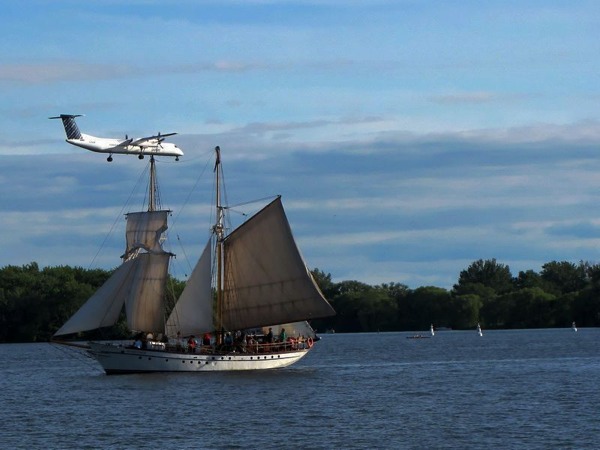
408	138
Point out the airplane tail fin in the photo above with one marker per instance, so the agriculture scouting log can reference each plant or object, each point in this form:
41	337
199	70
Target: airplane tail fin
71	127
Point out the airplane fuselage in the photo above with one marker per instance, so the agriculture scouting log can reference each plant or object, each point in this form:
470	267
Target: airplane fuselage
125	147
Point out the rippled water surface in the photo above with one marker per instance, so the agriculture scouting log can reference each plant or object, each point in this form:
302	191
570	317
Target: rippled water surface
507	389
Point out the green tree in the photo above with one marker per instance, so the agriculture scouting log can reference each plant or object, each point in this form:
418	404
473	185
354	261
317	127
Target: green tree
532	279
564	276
377	311
496	311
425	306
323	280
464	311
488	273
347	304
586	303
564	309
530	308
20	293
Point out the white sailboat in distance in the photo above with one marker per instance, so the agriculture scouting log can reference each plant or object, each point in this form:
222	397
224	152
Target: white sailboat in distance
246	286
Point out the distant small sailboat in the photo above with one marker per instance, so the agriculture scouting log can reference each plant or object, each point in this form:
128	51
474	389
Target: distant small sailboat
432	331
574	326
479	330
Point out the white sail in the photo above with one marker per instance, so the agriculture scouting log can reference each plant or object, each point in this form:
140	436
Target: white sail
103	308
145	304
193	312
139	284
144	230
266	279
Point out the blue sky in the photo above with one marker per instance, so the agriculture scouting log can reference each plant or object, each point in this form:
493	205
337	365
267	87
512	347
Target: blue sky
408	138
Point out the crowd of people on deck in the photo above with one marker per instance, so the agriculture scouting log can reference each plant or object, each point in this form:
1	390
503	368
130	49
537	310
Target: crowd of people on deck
148	342
225	341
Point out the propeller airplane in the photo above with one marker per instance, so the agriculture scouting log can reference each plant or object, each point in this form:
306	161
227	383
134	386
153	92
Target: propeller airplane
150	145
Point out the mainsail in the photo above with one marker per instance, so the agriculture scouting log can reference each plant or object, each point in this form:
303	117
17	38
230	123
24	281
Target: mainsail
266	281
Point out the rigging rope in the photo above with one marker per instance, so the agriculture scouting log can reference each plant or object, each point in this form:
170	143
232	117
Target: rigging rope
185	202
74	353
117	219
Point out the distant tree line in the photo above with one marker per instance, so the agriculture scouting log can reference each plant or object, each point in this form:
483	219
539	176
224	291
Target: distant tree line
35	302
486	293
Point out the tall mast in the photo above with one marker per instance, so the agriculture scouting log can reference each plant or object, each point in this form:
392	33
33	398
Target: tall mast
152	186
218	229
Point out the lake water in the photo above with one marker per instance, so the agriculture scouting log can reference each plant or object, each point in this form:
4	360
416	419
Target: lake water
507	389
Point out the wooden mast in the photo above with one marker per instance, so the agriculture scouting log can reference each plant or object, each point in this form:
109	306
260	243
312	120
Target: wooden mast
219	227
152	186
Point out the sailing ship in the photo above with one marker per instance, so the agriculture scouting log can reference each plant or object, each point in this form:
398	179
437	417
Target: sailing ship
247	285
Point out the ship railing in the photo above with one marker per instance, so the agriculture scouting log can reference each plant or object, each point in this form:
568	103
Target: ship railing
249	347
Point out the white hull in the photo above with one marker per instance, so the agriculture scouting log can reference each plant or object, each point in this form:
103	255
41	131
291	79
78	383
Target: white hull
117	359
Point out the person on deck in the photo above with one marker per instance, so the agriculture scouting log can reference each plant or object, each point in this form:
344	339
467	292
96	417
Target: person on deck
228	341
180	342
192	344
283	337
253	343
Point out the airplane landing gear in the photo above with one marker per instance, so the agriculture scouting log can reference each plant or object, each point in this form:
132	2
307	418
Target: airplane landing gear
109	159
141	156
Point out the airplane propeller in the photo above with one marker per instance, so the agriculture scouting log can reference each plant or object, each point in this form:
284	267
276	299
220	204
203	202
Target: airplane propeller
161	137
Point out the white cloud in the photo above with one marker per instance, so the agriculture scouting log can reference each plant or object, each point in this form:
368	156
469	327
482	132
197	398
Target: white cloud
413	211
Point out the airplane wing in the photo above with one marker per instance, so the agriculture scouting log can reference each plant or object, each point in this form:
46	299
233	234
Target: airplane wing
125	142
159	137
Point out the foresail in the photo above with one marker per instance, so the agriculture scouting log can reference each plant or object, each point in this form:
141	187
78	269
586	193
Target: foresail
144	230
103	308
145	305
266	279
139	283
193	312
